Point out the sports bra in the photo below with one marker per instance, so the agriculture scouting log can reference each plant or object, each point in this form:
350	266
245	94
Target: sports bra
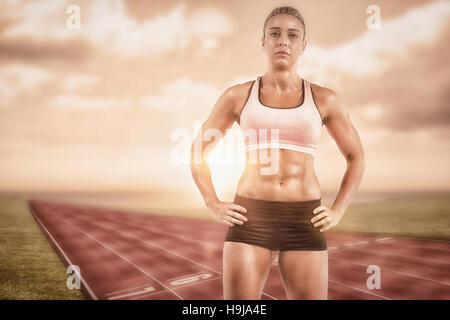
299	128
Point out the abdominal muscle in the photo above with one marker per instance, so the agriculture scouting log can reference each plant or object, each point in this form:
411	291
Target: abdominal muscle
293	179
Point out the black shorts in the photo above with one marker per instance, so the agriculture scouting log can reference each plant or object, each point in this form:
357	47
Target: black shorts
278	225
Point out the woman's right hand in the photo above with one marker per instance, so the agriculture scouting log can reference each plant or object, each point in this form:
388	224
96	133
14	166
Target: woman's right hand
228	213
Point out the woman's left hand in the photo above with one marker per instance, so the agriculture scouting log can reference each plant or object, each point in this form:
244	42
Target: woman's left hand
325	216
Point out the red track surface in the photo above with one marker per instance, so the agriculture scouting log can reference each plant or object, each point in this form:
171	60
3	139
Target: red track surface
125	255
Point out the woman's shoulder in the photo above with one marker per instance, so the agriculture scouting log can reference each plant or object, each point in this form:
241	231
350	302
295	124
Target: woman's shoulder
323	95
324	98
239	93
240	90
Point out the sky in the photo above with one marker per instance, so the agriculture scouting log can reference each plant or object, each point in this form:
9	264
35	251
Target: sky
108	95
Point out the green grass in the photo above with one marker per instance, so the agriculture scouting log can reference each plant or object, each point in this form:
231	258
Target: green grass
29	267
426	216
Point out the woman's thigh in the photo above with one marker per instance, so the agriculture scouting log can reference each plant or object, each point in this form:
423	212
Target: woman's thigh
245	269
304	274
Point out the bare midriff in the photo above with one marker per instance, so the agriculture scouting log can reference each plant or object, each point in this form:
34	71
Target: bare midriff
291	178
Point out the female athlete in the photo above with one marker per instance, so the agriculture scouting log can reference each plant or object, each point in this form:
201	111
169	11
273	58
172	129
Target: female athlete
277	204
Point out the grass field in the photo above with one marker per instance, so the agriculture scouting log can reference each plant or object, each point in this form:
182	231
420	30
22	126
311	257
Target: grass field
30	268
425	216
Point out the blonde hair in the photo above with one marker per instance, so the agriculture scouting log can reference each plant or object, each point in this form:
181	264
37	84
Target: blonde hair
286	10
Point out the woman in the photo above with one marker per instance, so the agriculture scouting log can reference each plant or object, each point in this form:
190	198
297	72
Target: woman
279	209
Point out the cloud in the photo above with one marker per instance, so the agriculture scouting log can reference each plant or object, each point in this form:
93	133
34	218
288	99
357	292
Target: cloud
27	76
412	95
77	101
396	77
183	95
371	52
107	25
79	82
30	50
181	106
7	92
16	79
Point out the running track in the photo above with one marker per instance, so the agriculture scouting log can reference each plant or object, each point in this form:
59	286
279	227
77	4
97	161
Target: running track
127	255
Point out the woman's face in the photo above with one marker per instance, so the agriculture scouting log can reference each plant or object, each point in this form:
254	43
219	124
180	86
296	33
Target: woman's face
283	33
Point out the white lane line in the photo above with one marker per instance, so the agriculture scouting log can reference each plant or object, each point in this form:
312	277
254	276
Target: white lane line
163	249
357	244
186	276
402	273
346	285
130	262
175	235
180	286
83	281
351	246
399	255
268	295
145	285
418	246
163	224
154	245
124	258
191	284
436	240
385	238
148	289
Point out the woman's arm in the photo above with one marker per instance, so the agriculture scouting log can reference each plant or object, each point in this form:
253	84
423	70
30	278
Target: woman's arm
221	118
342	130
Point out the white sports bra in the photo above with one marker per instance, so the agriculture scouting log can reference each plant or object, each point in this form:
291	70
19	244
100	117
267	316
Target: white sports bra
296	128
